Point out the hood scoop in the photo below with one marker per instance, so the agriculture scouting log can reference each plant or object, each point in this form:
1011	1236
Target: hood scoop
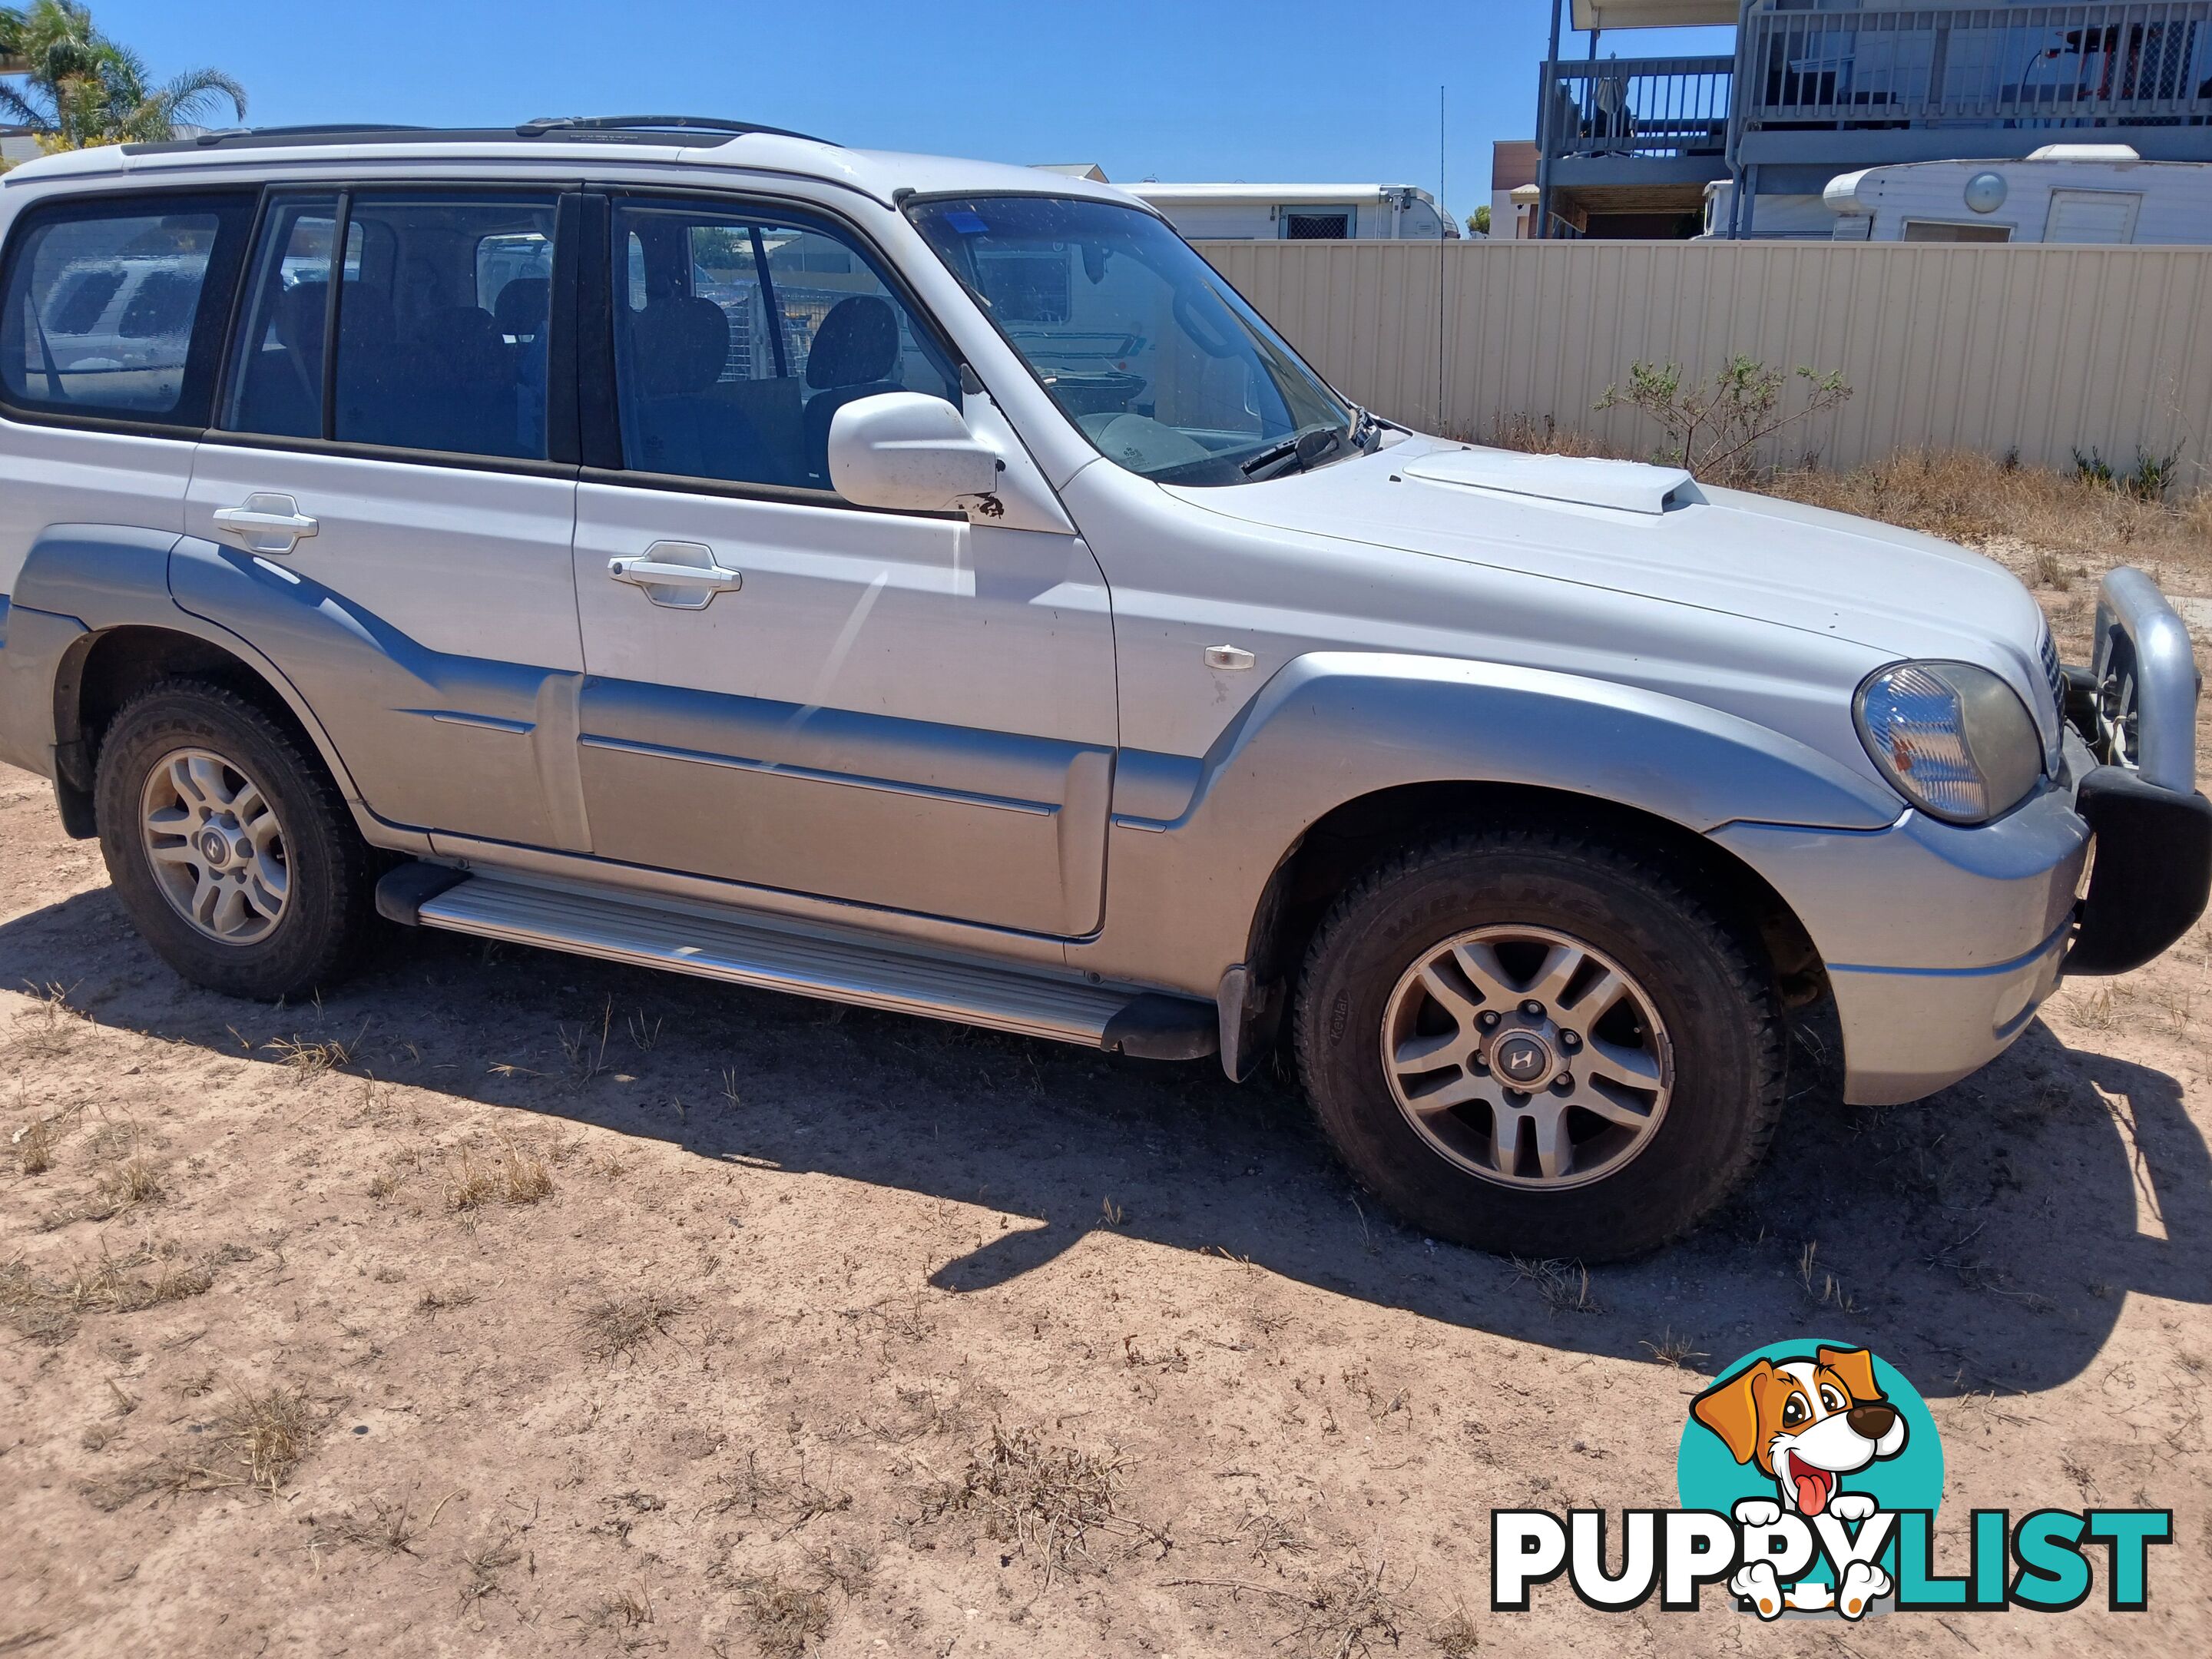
1631	486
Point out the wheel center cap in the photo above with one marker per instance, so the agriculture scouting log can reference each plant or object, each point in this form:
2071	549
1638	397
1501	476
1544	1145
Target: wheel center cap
1521	1059
215	847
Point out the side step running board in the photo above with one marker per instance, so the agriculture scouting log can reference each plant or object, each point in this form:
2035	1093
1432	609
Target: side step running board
716	943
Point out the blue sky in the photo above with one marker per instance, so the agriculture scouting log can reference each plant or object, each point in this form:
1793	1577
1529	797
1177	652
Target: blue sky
1203	89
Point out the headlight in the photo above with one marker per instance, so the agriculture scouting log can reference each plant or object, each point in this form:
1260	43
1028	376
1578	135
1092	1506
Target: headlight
1955	739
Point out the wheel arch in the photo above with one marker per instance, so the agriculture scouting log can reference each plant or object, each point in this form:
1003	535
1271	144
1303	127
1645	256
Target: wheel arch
103	670
1358	832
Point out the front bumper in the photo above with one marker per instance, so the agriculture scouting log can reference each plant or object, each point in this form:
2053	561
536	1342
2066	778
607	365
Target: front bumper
1941	942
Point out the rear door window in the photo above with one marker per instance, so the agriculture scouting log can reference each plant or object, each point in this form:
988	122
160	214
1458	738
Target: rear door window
114	307
434	337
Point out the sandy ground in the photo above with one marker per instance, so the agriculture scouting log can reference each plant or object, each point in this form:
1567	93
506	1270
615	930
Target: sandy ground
507	1303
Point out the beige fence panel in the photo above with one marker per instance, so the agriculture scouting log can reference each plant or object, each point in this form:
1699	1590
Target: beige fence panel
2036	350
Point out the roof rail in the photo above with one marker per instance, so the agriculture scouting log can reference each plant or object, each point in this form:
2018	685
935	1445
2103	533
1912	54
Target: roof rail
316	130
633	129
546	124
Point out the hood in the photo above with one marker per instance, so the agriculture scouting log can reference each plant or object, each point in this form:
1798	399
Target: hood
1653	531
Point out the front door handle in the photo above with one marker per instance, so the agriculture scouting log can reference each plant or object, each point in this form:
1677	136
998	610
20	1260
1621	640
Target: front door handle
267	523
681	575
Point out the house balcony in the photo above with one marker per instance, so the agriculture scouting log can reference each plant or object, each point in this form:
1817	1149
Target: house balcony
1927	82
1845	88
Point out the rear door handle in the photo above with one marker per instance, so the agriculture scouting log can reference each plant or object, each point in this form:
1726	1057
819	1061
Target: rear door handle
681	575
267	523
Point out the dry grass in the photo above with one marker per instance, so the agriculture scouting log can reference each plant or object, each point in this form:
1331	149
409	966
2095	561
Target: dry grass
783	1616
1564	1285
34	1147
134	1181
2063	522
268	1433
258	1440
1974	499
1045	1500
516	1177
622	1327
45	1311
49	1028
307	1058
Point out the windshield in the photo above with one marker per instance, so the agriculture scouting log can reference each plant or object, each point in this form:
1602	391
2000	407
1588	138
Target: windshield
1138	340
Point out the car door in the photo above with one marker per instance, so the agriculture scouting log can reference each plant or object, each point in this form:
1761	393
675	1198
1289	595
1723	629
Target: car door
380	508
897	709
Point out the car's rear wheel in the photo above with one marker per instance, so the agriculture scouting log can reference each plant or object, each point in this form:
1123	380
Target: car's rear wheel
1539	1044
228	845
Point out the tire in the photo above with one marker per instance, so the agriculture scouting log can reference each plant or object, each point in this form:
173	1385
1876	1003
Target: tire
291	903
1682	1071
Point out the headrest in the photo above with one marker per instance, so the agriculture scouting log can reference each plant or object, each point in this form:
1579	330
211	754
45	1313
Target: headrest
682	344
522	307
858	341
301	310
462	343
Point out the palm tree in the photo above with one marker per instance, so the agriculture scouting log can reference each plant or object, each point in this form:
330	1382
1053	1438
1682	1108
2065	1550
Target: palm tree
82	88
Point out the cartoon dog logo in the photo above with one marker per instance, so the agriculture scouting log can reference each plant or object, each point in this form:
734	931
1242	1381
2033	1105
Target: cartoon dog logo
1805	1423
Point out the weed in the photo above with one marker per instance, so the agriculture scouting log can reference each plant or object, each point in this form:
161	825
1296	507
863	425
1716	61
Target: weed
269	1433
846	1568
485	1565
586	1060
623	1610
34	1147
1045	1500
389	1528
134	1181
1820	1286
1716	427
472	1186
1564	1285
645	1033
783	1616
1673	1350
794	1498
1456	1638
524	1177
46	1310
1348	1614
440	1301
51	1027
305	1059
617	1328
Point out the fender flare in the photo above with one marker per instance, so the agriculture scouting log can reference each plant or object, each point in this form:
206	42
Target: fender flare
81	581
1331	727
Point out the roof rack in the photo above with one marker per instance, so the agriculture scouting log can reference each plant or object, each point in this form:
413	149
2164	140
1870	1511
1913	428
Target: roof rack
335	129
547	124
617	129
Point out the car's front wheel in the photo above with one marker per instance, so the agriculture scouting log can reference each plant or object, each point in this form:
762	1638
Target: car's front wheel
1539	1044
228	845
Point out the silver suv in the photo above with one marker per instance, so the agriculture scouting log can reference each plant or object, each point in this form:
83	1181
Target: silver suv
928	584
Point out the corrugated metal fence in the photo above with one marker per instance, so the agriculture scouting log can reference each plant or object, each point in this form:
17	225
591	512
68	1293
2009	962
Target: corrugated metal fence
2036	349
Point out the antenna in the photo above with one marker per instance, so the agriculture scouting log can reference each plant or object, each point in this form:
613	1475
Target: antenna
1443	158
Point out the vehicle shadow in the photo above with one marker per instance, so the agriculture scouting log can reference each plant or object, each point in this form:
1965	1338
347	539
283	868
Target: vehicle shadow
1982	1240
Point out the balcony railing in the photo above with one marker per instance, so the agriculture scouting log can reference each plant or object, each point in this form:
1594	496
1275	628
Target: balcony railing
2136	62
1647	106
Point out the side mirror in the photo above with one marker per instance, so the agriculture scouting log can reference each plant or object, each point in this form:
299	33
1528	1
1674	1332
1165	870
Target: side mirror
902	449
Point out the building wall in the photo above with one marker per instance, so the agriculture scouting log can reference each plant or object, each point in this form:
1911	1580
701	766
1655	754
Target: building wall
2038	349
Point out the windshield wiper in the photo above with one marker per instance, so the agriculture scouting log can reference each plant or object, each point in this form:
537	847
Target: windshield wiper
1292	454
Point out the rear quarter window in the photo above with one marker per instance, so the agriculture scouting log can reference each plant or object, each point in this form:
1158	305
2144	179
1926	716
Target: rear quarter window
112	307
